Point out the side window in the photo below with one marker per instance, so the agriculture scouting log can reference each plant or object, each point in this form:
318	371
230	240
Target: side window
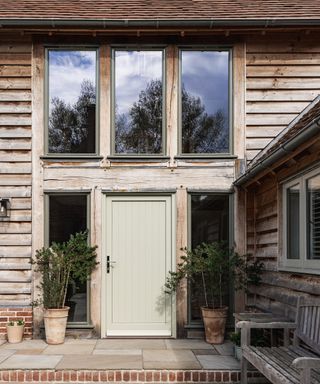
138	102
71	101
204	102
67	214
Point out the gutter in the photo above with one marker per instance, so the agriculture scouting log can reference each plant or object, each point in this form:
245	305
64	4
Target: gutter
310	130
157	23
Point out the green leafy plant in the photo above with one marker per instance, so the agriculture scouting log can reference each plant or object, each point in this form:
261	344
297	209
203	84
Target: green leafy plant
235	337
61	263
16	322
216	266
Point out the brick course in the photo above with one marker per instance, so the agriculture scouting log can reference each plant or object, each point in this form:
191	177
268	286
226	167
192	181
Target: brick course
14	314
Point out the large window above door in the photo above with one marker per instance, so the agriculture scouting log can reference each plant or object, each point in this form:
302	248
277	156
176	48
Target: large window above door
204	102
138	102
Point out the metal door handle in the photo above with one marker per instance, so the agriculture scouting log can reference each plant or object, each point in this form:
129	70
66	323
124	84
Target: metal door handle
109	263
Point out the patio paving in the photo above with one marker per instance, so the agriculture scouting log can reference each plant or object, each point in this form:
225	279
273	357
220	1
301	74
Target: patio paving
137	360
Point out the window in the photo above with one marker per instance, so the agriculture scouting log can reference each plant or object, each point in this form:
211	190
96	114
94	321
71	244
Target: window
209	223
138	102
205	101
71	104
67	214
301	205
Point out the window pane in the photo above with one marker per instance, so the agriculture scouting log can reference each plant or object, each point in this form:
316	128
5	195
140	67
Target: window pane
205	101
313	217
138	102
68	215
209	223
72	101
293	219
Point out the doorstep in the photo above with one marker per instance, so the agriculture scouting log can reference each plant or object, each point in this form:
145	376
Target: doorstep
118	360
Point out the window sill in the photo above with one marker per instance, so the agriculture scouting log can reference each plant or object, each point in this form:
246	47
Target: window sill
138	158
201	157
301	271
72	157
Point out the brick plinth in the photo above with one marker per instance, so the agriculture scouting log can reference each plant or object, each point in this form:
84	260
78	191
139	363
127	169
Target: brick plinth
122	376
13	314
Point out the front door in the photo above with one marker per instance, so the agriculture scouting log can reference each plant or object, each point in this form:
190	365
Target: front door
139	257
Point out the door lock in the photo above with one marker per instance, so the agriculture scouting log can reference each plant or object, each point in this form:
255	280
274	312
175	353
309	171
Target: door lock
109	264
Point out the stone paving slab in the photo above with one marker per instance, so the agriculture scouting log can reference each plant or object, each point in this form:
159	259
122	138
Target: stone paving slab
100	362
187	344
169	359
26	344
225	349
218	362
204	351
69	349
117	352
31	362
131	344
4	354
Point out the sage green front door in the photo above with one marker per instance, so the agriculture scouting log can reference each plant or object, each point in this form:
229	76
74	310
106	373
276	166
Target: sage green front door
139	257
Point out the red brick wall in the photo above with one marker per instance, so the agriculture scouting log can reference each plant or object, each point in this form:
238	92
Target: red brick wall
13	314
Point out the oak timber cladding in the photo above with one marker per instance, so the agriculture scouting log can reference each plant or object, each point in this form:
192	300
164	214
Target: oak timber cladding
15	171
282	78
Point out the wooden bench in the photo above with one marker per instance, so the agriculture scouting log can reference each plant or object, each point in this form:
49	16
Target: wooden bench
290	364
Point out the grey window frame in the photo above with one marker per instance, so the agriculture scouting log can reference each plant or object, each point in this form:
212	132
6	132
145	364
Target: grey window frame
303	264
199	323
88	323
48	154
200	48
135	47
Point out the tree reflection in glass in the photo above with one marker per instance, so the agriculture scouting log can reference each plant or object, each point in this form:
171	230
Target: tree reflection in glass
138	102
72	101
205	101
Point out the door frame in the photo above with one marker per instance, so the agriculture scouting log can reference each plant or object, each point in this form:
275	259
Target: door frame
103	303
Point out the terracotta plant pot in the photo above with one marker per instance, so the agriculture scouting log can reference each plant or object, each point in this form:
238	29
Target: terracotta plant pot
55	323
214	324
15	333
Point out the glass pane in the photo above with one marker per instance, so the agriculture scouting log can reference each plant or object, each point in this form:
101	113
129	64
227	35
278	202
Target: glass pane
205	101
313	217
72	101
209	223
293	219
138	102
68	215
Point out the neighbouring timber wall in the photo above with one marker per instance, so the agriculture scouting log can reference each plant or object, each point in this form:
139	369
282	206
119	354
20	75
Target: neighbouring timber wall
15	177
282	78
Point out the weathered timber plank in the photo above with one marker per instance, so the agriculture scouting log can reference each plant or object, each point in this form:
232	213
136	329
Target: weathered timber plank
16	144
251	154
257	143
15	251
15	107
267	239
14	288
9	95
271	252
14	180
10	192
275	107
16	168
15	58
20	215
15	276
15	70
305	58
281	95
15	119
20	203
15	83
16	303
15	132
12	227
14	264
300	71
270	119
284	43
269	224
275	307
15	48
256	131
282	83
15	239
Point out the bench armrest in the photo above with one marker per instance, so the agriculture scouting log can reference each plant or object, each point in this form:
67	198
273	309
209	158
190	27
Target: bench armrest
271	325
306	362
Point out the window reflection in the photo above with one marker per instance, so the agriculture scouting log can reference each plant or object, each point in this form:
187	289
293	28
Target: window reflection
68	215
72	101
209	223
205	101
293	228
138	102
313	215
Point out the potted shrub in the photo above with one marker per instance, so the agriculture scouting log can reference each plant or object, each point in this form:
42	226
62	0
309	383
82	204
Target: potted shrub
216	266
58	265
235	337
15	330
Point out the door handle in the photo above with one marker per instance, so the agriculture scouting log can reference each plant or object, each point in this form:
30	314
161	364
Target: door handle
109	264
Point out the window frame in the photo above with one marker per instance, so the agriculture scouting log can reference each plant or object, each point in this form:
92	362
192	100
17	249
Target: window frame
303	264
70	155
199	48
134	47
75	324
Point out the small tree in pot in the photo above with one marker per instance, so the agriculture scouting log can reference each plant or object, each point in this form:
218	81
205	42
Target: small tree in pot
216	266
58	265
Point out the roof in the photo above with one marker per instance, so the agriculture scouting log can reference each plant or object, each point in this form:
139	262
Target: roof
159	10
304	126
